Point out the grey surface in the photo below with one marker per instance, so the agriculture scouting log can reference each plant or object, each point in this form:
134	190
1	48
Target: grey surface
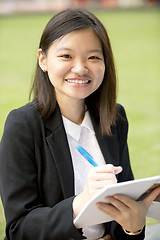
153	232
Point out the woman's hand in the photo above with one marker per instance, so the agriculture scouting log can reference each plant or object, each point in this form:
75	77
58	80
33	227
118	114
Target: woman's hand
130	214
98	178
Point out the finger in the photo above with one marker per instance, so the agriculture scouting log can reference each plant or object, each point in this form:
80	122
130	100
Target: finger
102	184
108	209
151	197
127	201
118	169
106	168
118	203
100	176
105	176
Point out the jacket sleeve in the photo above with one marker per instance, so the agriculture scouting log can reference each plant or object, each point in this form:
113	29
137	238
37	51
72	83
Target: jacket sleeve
26	217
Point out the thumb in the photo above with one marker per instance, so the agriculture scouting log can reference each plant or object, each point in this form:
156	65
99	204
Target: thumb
151	197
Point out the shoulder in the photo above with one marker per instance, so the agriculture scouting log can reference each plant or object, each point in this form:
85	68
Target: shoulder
121	116
25	113
121	122
121	112
23	127
20	119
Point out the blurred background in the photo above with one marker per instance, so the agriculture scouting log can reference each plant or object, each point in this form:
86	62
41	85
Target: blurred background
134	30
14	6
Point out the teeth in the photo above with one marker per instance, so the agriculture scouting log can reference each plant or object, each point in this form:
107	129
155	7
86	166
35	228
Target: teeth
77	81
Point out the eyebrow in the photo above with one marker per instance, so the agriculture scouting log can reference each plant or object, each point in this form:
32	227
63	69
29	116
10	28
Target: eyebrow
64	48
96	50
90	51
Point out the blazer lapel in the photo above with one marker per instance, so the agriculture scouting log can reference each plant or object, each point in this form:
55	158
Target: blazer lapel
59	148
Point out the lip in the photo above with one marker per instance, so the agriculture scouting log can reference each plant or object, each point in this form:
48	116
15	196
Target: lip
78	80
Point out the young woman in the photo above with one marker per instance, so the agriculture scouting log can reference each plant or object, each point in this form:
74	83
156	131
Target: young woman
44	181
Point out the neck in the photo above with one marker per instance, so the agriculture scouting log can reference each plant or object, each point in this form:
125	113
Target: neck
74	111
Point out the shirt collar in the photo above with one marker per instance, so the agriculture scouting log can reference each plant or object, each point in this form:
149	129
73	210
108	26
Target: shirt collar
74	130
87	122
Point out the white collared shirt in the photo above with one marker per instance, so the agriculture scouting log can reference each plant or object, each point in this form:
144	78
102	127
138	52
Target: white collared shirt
84	135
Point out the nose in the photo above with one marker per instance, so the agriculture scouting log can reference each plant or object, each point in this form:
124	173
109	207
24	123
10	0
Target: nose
80	68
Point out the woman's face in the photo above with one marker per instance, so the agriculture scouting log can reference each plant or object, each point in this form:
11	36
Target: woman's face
75	65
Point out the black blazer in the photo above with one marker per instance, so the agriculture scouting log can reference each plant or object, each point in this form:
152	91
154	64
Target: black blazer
37	178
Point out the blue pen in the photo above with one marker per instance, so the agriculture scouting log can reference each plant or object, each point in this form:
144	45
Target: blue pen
86	155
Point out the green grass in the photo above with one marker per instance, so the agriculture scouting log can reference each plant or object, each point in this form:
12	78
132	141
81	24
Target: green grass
135	38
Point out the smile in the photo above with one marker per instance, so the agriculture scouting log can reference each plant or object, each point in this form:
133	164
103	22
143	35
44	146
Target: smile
77	81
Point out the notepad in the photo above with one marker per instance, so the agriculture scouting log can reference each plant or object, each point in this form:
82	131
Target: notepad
136	189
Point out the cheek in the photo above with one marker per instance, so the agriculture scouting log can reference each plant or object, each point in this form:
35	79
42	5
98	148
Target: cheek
100	73
57	70
53	68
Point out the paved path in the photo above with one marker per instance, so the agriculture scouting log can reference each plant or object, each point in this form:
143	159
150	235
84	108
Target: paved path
153	232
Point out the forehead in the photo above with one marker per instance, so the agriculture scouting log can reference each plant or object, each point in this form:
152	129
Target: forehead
79	38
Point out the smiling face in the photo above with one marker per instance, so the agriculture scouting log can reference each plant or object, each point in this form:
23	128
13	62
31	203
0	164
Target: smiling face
75	65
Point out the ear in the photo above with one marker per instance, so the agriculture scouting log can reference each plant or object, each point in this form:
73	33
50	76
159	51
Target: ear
42	60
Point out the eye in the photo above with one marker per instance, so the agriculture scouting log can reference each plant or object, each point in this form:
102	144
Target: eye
94	58
67	56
